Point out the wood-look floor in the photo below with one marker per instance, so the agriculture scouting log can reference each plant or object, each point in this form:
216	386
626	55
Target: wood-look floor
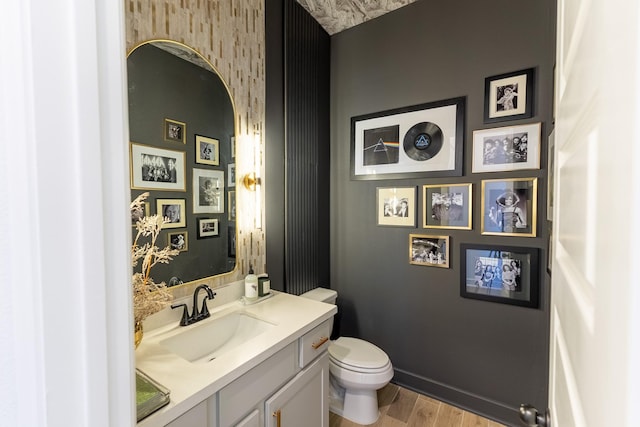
400	407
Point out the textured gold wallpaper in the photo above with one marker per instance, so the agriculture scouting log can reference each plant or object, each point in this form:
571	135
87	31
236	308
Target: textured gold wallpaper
230	35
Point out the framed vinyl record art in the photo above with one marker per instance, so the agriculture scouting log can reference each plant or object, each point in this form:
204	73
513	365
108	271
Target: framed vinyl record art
418	141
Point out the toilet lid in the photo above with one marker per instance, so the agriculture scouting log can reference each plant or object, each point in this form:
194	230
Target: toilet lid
358	353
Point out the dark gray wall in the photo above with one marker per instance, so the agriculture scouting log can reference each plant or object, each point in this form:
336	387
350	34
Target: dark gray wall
485	356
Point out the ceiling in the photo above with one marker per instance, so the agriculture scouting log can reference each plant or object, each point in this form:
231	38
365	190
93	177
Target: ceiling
338	15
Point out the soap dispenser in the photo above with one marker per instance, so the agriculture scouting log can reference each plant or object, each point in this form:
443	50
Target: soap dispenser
251	285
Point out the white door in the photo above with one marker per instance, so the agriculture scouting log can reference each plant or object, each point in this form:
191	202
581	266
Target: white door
595	327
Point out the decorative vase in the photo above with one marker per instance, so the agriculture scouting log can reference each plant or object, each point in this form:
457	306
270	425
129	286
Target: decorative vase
137	333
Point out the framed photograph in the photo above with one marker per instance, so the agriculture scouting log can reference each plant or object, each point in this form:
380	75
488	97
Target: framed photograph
174	211
447	206
509	96
507	148
233	146
208	227
396	206
432	251
139	214
418	141
207	150
551	164
157	169
509	207
231	241
231	175
175	131
178	241
504	274
208	191
232	205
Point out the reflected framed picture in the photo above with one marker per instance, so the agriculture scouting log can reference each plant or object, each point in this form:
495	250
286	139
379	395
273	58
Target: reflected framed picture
173	211
208	191
417	141
208	227
551	164
139	214
507	148
231	175
447	206
155	168
504	274
396	206
509	96
207	150
509	207
232	205
175	131
431	251
178	241
231	241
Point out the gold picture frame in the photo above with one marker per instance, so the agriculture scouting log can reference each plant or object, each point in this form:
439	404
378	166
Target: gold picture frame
396	206
447	206
207	151
178	240
428	250
510	207
175	131
173	209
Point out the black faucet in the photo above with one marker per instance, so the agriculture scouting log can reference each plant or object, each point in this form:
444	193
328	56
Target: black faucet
196	315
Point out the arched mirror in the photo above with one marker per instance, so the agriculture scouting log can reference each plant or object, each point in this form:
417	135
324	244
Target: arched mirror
182	141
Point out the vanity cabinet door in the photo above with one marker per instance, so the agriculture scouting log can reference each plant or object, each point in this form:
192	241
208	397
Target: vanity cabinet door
303	401
252	420
194	417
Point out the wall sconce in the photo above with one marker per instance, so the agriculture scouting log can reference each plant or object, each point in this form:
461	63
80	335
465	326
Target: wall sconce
251	181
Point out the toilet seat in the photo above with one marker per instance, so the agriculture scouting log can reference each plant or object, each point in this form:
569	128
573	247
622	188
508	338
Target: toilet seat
358	355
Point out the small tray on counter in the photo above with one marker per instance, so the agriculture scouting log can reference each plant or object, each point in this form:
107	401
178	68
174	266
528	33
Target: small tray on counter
150	396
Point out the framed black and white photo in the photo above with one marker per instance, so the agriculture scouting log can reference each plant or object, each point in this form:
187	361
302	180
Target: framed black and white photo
504	274
447	206
137	215
431	251
178	241
418	141
208	191
232	205
396	206
509	96
231	175
208	227
507	148
175	131
173	211
231	241
509	207
155	168
207	150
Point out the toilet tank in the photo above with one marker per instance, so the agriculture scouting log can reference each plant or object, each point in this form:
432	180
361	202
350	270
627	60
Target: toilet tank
322	294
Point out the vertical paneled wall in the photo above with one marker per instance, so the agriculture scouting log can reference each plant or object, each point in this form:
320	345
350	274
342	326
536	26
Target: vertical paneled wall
306	83
230	35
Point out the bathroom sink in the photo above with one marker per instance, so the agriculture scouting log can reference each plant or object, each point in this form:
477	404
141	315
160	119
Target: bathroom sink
210	338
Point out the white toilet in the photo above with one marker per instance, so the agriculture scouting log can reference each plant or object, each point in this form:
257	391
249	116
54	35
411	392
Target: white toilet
357	370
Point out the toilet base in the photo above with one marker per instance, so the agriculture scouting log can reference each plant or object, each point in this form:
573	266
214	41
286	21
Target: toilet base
358	406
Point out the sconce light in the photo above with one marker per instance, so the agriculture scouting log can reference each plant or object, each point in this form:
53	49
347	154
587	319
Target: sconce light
250	181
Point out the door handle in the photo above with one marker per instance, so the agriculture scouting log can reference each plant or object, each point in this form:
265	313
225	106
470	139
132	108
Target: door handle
278	416
532	418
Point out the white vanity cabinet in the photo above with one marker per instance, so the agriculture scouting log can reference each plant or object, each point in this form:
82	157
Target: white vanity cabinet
201	415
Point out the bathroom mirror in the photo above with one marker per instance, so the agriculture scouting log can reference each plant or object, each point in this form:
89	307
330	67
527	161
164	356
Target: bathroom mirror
182	146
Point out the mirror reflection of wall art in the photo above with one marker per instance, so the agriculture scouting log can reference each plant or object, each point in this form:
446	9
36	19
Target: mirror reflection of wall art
504	274
396	206
232	205
207	150
506	149
208	227
175	131
432	251
447	206
139	214
509	207
208	191
157	169
231	241
174	212
178	241
509	96
231	175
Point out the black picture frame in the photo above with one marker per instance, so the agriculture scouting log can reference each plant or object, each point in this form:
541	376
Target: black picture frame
424	140
208	228
484	269
498	106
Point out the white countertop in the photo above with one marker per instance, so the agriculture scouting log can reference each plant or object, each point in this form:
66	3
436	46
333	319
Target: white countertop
191	383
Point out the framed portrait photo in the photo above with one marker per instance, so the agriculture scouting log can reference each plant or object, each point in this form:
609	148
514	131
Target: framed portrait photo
447	206
157	169
174	212
503	274
231	175
139	214
231	241
178	241
208	191
509	96
431	251
208	227
207	150
509	207
175	131
396	206
417	141
232	205
507	148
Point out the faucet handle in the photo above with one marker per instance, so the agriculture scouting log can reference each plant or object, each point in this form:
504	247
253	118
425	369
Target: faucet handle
204	312
185	315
